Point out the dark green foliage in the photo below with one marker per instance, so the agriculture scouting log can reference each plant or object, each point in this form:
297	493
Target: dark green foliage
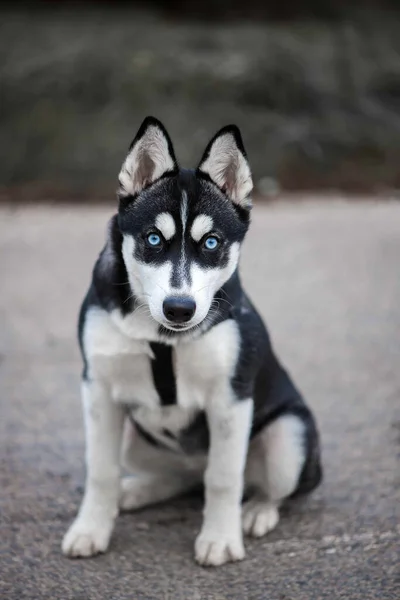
318	103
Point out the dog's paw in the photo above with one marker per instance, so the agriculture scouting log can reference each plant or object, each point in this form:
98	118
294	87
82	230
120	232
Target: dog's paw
214	550
259	517
86	539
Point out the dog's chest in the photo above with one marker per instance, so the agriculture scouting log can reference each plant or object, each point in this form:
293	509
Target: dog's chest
165	388
165	396
156	377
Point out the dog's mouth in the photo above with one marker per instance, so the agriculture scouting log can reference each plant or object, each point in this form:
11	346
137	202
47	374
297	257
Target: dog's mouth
168	328
178	327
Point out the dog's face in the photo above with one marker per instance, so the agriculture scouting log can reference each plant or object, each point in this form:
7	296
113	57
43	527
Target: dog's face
182	230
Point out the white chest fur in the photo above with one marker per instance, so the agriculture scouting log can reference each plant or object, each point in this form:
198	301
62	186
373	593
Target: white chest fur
124	364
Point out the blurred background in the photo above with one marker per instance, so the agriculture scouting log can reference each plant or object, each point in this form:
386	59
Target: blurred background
314	86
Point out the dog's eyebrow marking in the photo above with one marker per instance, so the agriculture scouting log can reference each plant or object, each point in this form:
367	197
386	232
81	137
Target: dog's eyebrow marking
201	225
166	224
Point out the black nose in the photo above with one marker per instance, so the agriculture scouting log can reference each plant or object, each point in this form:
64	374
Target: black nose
179	309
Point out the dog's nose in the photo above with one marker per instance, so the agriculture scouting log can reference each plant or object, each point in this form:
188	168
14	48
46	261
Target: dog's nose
179	309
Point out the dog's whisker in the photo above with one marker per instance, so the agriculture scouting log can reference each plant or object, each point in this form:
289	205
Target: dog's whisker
161	288
226	301
128	298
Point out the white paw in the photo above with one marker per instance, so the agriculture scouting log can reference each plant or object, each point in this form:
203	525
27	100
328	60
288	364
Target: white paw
259	517
87	538
216	550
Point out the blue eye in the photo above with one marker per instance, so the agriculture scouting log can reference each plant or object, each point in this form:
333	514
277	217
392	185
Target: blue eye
211	243
154	239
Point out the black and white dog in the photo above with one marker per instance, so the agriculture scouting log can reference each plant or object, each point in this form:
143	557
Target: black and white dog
179	375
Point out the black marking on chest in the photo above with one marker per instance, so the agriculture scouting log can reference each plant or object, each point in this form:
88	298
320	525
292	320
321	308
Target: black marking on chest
193	439
163	373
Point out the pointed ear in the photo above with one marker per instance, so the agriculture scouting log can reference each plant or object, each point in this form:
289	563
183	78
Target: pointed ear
150	156
225	163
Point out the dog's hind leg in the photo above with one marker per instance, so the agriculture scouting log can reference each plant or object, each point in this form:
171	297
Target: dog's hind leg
282	460
145	490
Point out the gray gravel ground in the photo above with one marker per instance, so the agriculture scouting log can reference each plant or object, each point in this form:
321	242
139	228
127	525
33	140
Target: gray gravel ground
327	279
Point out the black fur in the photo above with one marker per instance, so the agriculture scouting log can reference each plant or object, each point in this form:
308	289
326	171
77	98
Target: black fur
163	373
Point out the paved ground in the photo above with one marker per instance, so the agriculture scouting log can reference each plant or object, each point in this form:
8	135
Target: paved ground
327	279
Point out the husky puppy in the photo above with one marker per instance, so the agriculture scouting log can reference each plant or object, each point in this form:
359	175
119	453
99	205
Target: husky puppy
180	382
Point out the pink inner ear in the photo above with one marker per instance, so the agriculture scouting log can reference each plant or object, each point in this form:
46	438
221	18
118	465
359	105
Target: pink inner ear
145	169
230	179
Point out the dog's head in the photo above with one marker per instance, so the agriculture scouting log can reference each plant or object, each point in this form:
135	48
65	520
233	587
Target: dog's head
182	230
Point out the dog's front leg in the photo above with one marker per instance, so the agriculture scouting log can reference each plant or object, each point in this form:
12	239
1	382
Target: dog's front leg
221	538
91	531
